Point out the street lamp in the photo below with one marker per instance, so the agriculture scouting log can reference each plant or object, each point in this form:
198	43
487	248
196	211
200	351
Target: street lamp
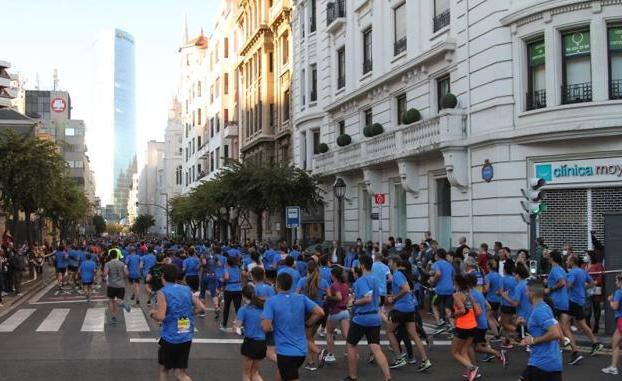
165	208
339	189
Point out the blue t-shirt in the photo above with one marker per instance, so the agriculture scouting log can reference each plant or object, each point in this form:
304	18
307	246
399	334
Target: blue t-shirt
407	302
445	284
250	316
61	259
74	258
508	282
264	291
268	258
293	273
617	297
87	271
544	356
191	266
523	309
178	324
234	281
301	266
211	264
493	280
326	275
559	296
367	314
321	290
288	312
133	266
576	280
220	266
482	318
149	260
381	271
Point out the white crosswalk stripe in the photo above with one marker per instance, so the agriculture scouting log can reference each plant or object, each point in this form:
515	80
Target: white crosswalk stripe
135	321
94	320
54	320
10	324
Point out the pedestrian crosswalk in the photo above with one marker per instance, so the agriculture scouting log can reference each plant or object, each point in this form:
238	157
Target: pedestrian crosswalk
93	320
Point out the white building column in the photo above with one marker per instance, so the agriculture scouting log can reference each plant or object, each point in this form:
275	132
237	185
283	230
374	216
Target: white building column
309	148
600	63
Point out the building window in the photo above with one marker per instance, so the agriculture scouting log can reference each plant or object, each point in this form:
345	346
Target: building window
316	142
70	132
199	141
536	86
226	83
312	18
443	87
368	117
314	83
342	127
401	108
285	48
199	117
226	45
217	157
367	51
399	22
302	20
615	62
199	89
226	151
286	105
217	119
341	68
226	115
271	63
441	14
303	90
577	69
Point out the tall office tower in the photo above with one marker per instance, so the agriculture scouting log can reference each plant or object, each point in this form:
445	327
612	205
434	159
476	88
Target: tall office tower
112	132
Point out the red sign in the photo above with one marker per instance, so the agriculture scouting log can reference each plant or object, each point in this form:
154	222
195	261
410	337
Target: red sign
379	198
58	105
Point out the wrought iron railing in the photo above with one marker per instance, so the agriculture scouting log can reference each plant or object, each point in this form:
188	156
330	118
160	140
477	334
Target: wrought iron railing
536	100
399	46
334	10
441	20
577	93
615	89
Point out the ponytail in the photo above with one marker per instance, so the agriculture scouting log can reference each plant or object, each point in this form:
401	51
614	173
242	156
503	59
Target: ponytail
249	293
313	279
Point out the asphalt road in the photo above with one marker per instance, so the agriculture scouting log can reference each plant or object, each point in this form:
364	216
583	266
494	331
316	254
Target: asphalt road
57	336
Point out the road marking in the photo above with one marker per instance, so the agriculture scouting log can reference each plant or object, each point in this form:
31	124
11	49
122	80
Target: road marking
137	340
42	293
10	324
94	320
68	301
135	321
54	320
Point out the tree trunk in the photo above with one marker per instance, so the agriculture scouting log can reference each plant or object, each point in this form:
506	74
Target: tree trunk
259	223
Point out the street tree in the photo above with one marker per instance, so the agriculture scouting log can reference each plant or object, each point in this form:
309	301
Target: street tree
67	208
99	224
142	224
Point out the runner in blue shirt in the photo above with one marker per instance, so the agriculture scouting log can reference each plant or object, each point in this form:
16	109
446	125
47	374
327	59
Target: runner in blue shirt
233	290
558	291
132	260
508	283
73	264
443	282
366	321
288	267
545	360
264	292
210	280
403	313
383	275
61	259
492	285
254	347
576	280
191	267
287	314
615	302
87	274
147	262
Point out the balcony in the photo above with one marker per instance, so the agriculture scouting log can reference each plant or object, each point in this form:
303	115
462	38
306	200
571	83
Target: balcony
536	100
367	66
441	20
400	46
335	15
406	141
577	93
615	89
231	130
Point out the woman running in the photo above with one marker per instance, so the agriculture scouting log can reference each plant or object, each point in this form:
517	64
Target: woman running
338	308
615	302
253	348
233	290
465	312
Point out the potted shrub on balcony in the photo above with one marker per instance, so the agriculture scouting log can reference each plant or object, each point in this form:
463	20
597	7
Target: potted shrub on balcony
344	140
411	116
367	132
449	101
376	129
323	147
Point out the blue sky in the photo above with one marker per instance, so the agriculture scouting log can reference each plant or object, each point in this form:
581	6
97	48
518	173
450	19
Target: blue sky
40	35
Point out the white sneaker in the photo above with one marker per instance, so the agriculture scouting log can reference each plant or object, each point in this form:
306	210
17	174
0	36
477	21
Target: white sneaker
610	370
330	358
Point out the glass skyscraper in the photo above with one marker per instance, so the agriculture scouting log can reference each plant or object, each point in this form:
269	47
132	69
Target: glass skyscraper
112	132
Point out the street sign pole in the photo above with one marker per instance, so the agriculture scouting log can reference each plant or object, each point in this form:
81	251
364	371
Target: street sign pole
379	200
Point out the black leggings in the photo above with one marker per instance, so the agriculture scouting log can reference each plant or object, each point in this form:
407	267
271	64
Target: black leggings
594	311
236	298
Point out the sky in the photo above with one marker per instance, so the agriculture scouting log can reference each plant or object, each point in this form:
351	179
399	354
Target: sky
39	36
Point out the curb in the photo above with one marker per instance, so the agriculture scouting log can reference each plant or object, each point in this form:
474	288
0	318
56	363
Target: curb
26	295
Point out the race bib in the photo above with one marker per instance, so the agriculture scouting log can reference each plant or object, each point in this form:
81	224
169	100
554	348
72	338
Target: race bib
183	325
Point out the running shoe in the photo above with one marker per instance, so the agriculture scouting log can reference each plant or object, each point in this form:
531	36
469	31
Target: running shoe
596	347
466	375
488	358
610	370
503	357
440	329
412	360
575	358
496	339
321	358
472	375
310	367
398	363
566	342
330	358
424	365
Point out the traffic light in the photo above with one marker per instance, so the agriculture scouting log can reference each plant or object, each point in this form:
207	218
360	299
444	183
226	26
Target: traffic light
533	205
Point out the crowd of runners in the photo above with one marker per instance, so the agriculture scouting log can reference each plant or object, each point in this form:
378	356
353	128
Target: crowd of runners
488	303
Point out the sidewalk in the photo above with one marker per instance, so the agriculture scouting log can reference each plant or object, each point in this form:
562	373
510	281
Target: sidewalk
30	286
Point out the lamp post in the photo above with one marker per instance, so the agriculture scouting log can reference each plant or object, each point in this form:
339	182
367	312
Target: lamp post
165	208
339	189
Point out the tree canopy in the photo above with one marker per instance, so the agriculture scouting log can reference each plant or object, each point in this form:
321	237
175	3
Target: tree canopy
142	224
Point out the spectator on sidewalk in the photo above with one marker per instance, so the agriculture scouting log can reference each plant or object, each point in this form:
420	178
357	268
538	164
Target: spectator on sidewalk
17	265
595	268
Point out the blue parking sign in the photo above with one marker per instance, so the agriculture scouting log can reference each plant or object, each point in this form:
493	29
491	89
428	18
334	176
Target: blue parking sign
292	216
